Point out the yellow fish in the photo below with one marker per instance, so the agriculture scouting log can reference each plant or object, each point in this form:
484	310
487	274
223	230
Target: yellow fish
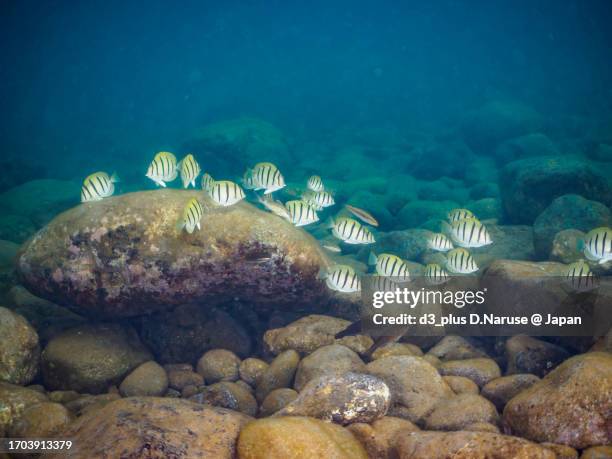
390	265
192	216
315	183
301	213
435	274
267	177
190	169
207	181
598	245
460	261
341	278
468	232
163	168
98	186
351	231
226	193
459	214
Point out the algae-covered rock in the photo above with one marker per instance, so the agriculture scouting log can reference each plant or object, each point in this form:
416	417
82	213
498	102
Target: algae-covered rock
19	349
566	245
461	385
251	370
529	185
90	358
333	359
525	354
380	437
479	370
501	390
460	411
219	365
569	211
276	400
343	399
279	374
536	144
571	405
443	445
42	420
155	427
125	256
148	379
13	402
453	347
16	228
293	437
228	395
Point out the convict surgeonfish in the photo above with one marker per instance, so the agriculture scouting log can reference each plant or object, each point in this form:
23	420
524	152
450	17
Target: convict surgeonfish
362	215
163	168
341	278
351	231
598	245
190	169
98	186
267	177
439	242
247	180
435	274
301	213
579	277
390	265
276	207
192	216
460	261
319	200
226	193
459	214
315	183
207	181
468	232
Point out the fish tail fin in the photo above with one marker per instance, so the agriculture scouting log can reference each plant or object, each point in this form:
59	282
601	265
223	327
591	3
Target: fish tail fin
115	178
372	258
329	223
445	228
179	165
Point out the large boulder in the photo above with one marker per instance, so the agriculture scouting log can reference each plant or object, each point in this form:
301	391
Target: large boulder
239	141
529	185
571	405
536	144
125	256
569	211
19	349
90	358
487	126
154	427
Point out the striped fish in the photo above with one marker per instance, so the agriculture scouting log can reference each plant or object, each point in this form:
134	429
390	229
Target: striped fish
319	200
207	181
435	274
460	261
579	277
315	183
192	216
247	180
266	176
468	232
439	242
190	169
390	265
351	231
163	168
342	278
301	213
276	207
226	193
362	215
598	245
98	186
459	214
383	284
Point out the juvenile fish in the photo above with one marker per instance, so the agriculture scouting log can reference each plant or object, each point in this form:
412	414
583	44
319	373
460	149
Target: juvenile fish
163	168
351	231
598	245
362	215
459	214
190	169
98	186
341	278
301	214
267	177
579	277
435	274
276	207
390	265
315	183
192	216
226	193
207	181
460	261
440	243
468	232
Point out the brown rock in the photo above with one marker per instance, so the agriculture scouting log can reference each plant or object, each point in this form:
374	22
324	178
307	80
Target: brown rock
124	256
89	403
462	410
461	385
19	349
155	427
454	347
525	354
334	359
219	365
148	379
468	445
572	405
279	374
251	370
292	436
228	395
480	370
481	427
380	437
276	400
597	452
42	420
397	349
562	451
179	379
14	400
501	390
415	384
